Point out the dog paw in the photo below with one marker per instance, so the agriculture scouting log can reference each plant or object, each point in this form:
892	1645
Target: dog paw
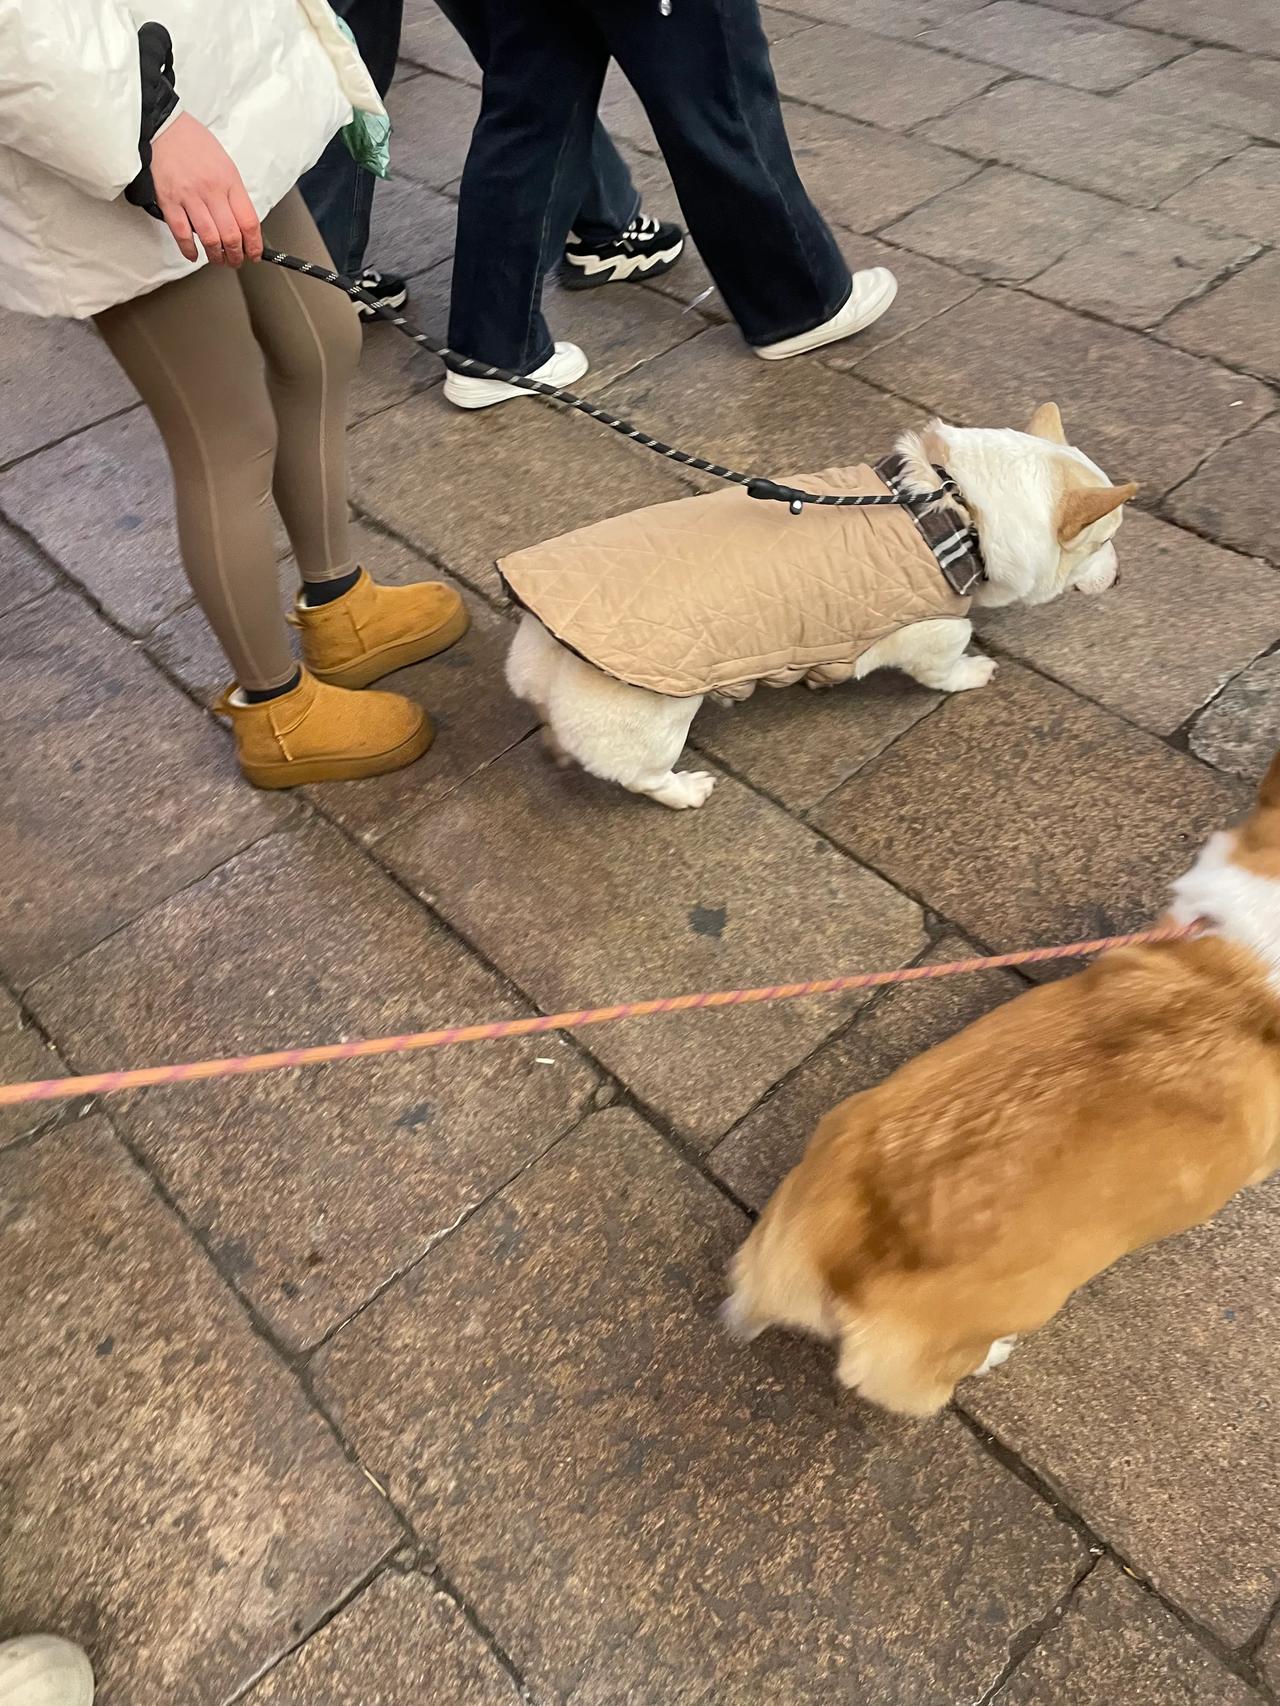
555	753
999	1354
694	790
967	673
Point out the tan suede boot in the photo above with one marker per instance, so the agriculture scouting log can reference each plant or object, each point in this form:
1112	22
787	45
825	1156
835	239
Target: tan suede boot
374	629
318	733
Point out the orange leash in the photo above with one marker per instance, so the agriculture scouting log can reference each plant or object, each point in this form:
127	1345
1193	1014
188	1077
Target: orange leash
236	1066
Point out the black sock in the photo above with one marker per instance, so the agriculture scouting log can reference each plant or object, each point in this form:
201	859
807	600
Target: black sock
260	695
316	593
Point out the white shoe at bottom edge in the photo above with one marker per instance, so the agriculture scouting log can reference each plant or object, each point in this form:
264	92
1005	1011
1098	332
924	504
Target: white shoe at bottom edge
872	294
566	365
44	1670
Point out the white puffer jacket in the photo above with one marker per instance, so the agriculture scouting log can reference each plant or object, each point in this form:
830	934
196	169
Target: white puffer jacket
272	79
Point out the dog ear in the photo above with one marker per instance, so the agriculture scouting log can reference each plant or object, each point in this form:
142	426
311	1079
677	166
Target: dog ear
1047	423
1083	505
1269	788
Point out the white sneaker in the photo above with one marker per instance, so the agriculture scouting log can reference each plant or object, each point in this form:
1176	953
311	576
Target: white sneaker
44	1670
873	292
567	364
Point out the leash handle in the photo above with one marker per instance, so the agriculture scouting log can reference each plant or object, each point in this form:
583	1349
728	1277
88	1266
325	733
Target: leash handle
756	486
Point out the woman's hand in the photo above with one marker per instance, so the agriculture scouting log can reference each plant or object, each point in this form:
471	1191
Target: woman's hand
200	192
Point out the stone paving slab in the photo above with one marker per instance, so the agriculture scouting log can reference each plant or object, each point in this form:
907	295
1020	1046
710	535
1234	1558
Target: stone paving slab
1091	8
888	83
1240	731
1148	1403
901	1023
428	39
117	792
863	178
1002	224
172	1500
1240	91
924	290
24	1054
906	18
1116	148
1137	267
23	573
714	397
412	228
56	376
1252	25
1241	195
831	1553
800	745
588	895
780	24
432	119
889	173
520	474
101	505
1118	1644
1085	53
313	1192
1142	411
1269	1656
400	1643
1231	494
998	848
1236	322
1185	617
392	370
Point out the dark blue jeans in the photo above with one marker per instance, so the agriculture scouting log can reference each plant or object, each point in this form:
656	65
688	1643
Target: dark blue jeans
338	192
704	76
608	200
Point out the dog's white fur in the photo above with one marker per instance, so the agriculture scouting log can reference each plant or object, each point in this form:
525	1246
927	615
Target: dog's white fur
1232	901
1013	484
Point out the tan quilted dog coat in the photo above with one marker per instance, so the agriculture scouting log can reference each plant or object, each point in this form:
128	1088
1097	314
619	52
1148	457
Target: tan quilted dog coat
714	594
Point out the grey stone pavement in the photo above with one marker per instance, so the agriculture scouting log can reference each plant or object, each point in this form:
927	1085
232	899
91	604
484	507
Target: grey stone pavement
401	1383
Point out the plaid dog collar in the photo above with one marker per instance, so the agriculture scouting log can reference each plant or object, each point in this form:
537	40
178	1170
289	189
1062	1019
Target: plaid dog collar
955	545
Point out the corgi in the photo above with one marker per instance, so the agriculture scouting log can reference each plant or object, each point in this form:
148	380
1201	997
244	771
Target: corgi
956	1206
630	623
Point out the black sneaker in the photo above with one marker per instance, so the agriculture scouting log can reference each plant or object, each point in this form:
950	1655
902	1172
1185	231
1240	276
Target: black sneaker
389	288
646	248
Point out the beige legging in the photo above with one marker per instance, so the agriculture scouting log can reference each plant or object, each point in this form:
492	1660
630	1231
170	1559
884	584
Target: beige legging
247	374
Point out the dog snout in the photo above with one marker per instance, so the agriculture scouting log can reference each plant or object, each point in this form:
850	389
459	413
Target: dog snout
1092	591
1100	572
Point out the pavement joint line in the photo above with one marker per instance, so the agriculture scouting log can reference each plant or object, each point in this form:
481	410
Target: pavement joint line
1030	1636
1234	1659
339	1605
66	437
1116	18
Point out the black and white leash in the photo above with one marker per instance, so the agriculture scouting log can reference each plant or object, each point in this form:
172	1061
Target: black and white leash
756	486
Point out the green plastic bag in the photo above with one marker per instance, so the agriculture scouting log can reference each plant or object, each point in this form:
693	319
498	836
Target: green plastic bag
368	136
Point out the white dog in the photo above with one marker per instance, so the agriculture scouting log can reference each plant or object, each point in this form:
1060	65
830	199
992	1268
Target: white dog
630	623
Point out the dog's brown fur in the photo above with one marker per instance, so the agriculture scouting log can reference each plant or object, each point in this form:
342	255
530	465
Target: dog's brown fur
966	1197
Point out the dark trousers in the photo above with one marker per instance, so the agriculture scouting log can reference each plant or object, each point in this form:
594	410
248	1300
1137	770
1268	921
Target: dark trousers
338	192
607	199
704	76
